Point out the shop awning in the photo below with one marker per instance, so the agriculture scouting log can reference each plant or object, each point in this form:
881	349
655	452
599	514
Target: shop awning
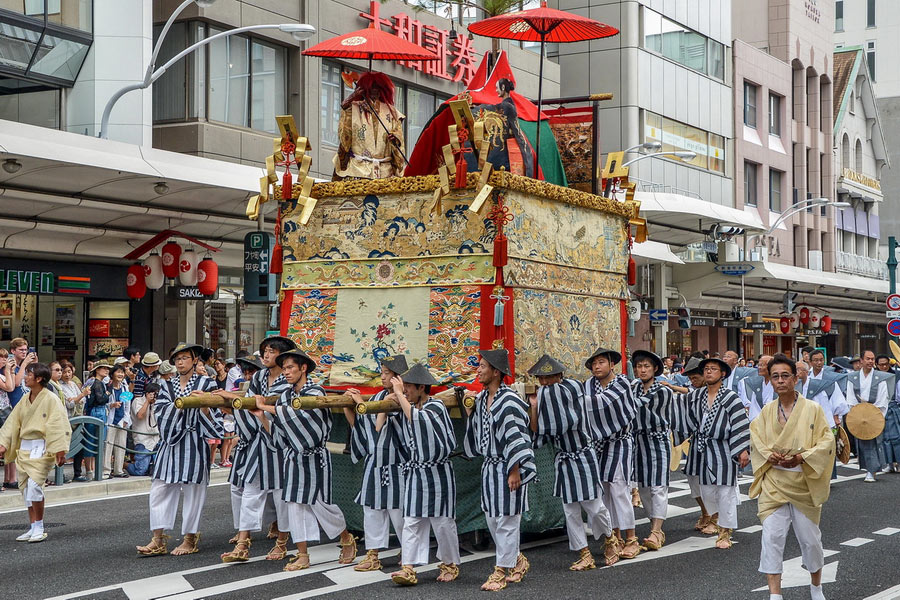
652	251
681	220
104	195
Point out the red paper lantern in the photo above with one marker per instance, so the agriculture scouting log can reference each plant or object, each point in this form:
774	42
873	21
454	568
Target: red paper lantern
795	320
153	272
207	276
632	270
134	282
825	324
171	256
804	314
785	324
187	267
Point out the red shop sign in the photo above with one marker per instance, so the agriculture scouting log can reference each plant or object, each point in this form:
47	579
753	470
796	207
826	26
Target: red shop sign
461	51
98	328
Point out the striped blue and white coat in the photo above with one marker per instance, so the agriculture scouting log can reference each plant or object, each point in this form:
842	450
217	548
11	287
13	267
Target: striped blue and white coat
651	425
561	421
302	434
382	453
720	432
501	434
256	454
610	411
183	454
429	481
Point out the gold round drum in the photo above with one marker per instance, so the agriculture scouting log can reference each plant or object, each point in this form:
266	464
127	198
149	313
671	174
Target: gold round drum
865	421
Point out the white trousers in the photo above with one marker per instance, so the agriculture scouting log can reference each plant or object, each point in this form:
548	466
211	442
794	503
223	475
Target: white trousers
694	484
505	531
377	526
164	505
33	492
774	534
114	455
598	521
414	540
330	518
617	498
722	499
302	523
655	500
248	506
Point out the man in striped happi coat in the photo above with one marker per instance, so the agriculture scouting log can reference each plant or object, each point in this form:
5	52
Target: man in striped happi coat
653	449
497	428
256	471
429	499
611	407
557	417
183	457
715	417
302	434
381	494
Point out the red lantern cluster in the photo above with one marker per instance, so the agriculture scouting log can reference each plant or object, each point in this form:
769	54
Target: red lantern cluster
812	318
172	263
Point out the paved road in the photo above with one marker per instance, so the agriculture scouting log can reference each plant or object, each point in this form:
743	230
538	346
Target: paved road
90	554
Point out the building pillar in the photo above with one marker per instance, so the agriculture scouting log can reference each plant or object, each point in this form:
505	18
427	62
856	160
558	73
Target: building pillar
800	164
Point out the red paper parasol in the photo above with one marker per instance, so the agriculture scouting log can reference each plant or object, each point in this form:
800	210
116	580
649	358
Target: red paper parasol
542	25
372	44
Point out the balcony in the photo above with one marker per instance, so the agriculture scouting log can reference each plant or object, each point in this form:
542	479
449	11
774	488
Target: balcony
861	265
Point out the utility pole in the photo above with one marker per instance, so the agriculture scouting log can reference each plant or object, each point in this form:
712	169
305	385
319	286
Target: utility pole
892	263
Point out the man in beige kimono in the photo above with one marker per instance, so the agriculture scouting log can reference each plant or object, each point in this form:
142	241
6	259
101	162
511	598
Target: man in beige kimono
36	435
792	450
370	132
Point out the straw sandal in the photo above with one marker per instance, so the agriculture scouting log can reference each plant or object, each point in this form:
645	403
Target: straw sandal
496	581
405	576
702	522
585	562
632	548
712	526
156	547
723	542
611	551
241	552
295	564
369	563
349	557
190	544
517	573
636	498
273	531
655	540
448	572
278	551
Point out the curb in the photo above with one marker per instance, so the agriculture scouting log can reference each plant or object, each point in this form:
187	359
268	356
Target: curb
11	500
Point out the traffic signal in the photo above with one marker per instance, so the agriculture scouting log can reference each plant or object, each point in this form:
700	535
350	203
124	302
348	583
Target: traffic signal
789	302
684	317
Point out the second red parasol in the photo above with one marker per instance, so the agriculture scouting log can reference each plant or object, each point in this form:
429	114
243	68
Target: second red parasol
370	44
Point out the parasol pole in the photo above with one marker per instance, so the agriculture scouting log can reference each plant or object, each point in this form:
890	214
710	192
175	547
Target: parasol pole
386	130
370	63
537	137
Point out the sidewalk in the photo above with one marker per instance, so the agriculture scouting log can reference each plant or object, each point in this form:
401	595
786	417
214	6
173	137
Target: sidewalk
11	500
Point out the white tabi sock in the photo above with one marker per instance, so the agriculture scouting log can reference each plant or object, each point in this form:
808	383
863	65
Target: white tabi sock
775	597
27	534
815	592
37	528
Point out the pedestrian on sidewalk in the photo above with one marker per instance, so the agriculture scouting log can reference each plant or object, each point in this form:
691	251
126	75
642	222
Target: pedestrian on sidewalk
145	432
36	436
118	420
792	452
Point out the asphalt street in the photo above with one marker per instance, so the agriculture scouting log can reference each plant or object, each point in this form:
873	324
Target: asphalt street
90	555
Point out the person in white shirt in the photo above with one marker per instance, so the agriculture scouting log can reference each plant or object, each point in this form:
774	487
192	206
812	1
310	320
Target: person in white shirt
869	385
145	432
235	372
756	391
836	381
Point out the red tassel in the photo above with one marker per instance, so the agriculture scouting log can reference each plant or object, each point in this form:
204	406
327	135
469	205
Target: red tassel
462	170
277	253
287	185
500	251
632	270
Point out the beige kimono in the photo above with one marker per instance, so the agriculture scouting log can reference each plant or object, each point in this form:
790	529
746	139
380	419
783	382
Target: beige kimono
806	431
43	419
365	151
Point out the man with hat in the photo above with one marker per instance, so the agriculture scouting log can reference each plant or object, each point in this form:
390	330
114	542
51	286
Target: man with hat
256	472
558	417
378	446
715	417
306	480
611	407
756	390
182	462
793	453
429	500
497	428
651	441
145	374
873	386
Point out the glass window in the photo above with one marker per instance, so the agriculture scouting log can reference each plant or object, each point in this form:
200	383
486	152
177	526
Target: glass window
775	115
716	59
775	178
870	13
682	45
674	136
330	101
169	90
268	86
870	58
229	79
858	155
29	8
750	184
31	108
749	105
420	109
839	15
71	13
716	153
17	45
58	57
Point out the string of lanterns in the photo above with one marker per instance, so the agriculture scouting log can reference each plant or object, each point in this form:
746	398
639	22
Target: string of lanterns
185	265
811	318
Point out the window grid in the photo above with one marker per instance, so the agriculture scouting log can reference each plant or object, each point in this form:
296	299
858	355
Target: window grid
750	184
749	105
775	115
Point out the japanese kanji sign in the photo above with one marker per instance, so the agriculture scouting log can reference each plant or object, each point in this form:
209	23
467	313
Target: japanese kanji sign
460	51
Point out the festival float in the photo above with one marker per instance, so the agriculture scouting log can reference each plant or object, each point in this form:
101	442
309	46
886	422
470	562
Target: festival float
473	247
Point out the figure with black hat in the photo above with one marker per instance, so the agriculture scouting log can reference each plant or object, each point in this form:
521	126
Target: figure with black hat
377	443
611	407
429	499
256	473
652	448
868	385
558	417
183	460
715	417
497	428
306	478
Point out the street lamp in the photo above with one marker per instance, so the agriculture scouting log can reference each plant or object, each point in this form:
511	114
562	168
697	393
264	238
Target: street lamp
799	207
646	146
682	154
300	31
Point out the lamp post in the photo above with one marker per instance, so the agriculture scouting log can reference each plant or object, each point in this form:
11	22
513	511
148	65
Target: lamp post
799	207
683	154
300	31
